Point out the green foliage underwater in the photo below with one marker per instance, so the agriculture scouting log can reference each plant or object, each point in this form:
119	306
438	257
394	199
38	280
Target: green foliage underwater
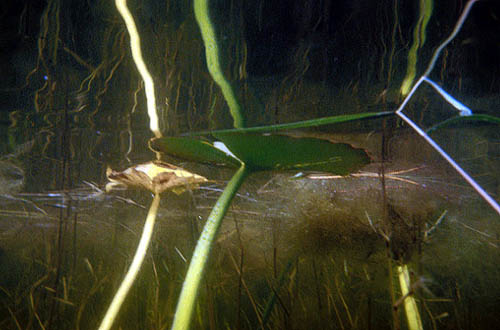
333	165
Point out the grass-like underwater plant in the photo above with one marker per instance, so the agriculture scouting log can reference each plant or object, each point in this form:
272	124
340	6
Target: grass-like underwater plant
241	149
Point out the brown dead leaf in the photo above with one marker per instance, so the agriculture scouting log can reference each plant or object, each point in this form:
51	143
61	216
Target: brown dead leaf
156	176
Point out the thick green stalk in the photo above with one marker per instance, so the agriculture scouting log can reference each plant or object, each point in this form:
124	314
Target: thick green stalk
411	309
190	288
213	60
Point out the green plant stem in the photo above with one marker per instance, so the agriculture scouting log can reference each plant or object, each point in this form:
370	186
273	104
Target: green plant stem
465	120
272	300
190	288
418	42
299	124
201	12
135	46
129	279
411	309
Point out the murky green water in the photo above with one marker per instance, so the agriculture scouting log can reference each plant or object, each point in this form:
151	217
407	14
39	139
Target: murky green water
315	242
294	252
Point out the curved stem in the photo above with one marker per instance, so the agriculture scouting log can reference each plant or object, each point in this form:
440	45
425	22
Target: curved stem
190	288
418	42
135	45
129	279
213	60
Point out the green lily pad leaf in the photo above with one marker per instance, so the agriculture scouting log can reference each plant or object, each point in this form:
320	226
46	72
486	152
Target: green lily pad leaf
279	152
193	150
273	152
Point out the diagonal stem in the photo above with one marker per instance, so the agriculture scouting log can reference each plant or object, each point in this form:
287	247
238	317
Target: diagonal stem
190	288
129	279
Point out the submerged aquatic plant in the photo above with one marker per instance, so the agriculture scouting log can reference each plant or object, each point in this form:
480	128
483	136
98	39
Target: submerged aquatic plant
246	155
329	286
419	36
463	110
157	177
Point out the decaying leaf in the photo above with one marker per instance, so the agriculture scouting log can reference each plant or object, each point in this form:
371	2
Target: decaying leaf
156	176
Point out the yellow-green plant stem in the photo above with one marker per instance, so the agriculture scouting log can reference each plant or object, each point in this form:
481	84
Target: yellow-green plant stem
201	12
135	45
129	279
192	281
418	41
411	309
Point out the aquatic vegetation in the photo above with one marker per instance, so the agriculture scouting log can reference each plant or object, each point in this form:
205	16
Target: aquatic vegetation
155	176
338	215
201	11
419	34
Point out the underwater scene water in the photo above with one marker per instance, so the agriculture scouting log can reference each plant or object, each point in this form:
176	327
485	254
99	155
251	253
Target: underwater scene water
296	249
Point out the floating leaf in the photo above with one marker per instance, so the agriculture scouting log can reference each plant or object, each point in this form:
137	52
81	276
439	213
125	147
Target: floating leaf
193	150
156	176
280	152
273	152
